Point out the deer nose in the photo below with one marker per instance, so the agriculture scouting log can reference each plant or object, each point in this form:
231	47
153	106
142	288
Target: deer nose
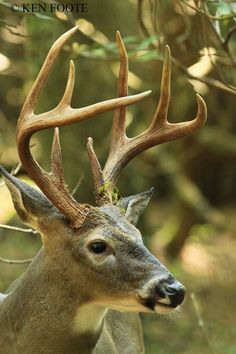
175	292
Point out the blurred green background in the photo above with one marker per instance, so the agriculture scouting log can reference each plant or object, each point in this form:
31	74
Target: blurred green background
190	223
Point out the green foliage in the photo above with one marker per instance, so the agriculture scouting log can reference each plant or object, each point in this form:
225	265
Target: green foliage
224	16
137	50
103	192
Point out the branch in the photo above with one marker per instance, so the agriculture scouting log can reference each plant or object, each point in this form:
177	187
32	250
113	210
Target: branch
77	185
14	228
201	322
16	169
206	80
11	261
228	37
140	19
211	17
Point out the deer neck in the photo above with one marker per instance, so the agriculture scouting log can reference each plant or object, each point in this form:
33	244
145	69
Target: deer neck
67	315
89	319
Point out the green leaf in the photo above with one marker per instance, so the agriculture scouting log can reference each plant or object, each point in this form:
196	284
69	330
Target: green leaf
130	40
146	43
96	53
224	9
44	17
150	55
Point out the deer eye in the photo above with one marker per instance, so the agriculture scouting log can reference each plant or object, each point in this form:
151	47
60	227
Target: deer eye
98	247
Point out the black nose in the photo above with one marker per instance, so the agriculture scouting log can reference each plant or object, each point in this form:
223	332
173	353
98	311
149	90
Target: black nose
175	292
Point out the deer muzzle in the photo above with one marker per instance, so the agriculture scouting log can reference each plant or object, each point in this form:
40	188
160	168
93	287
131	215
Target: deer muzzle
163	296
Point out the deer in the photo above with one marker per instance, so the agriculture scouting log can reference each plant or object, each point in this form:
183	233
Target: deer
85	288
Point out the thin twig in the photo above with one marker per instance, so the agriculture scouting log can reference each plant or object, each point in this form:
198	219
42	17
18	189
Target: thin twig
201	322
16	169
77	185
14	228
211	17
206	80
140	19
228	37
14	172
14	261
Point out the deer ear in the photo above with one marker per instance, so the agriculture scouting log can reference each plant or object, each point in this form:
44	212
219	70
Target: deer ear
30	204
134	205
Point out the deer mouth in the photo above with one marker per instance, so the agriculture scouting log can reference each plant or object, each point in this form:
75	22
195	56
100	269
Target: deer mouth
160	306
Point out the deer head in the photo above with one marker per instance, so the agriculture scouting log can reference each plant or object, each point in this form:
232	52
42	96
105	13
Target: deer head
96	252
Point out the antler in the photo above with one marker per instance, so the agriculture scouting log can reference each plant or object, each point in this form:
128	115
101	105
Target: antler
52	183
123	149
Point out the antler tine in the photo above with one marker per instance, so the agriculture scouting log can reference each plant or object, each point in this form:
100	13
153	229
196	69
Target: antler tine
159	131
118	129
102	191
160	116
66	99
55	188
45	71
100	194
119	120
56	160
